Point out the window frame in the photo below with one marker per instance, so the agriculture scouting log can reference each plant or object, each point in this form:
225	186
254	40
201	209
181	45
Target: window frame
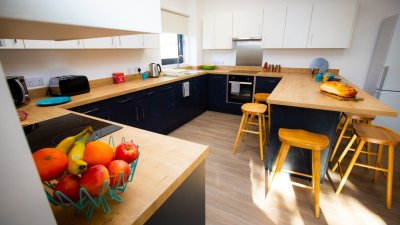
170	61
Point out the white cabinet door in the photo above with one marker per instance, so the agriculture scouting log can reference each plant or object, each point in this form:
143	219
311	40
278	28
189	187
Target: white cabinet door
130	41
41	44
223	31
274	25
12	44
332	24
100	43
208	31
298	19
247	24
151	40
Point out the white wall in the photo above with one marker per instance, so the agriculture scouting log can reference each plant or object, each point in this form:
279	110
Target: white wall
352	62
95	64
23	200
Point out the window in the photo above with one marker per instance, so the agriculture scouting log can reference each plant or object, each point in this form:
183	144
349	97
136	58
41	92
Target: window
171	48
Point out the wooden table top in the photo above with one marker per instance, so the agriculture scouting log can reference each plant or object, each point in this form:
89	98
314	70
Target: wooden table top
300	90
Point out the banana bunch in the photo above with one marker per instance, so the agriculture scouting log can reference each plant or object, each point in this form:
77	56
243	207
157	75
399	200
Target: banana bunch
68	143
76	165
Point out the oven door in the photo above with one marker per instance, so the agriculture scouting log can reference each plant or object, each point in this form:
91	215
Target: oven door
240	89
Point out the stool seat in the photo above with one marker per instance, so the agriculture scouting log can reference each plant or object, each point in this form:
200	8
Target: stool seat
254	108
359	116
376	134
261	97
303	139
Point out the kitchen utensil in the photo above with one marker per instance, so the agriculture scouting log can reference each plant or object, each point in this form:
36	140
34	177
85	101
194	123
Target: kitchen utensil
320	63
208	67
53	101
154	70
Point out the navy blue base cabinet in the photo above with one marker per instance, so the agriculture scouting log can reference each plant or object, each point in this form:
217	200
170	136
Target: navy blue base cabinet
313	120
266	84
217	92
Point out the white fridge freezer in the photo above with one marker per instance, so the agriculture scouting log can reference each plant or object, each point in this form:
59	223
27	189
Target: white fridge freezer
383	79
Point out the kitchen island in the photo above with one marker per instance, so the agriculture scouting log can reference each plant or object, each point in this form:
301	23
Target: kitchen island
168	185
296	103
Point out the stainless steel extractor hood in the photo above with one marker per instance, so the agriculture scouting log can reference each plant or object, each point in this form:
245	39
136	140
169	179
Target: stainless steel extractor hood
249	53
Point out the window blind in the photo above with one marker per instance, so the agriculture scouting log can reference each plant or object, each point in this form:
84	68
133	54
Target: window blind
174	23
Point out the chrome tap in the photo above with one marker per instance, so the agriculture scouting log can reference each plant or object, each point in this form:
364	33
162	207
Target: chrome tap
180	57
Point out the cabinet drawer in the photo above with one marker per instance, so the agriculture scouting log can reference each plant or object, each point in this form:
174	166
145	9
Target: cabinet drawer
266	84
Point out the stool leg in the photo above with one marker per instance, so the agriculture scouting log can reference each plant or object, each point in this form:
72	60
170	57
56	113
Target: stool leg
340	122
264	130
351	165
378	162
346	123
344	153
244	127
239	132
316	155
261	134
390	177
280	159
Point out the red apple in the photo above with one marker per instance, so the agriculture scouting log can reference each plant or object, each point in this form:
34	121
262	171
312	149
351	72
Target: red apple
68	185
93	179
115	168
127	151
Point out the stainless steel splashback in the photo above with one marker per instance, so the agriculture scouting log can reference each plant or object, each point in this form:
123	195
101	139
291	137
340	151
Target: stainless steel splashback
249	53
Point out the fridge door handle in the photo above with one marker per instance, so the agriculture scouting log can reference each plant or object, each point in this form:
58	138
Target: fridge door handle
377	93
381	80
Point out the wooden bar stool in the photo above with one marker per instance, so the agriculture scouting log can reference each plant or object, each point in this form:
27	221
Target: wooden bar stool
307	140
372	134
262	98
347	118
252	109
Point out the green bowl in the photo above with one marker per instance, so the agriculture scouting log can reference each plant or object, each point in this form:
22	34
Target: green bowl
208	67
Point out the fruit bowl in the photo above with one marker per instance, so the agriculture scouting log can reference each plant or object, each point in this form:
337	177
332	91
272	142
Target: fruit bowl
88	201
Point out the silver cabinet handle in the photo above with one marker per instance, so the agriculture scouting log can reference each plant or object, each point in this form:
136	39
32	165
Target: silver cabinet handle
90	111
137	114
247	83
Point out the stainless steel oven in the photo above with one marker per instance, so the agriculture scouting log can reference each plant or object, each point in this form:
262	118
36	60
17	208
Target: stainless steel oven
240	89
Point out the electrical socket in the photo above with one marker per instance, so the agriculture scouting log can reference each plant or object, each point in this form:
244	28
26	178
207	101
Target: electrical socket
34	81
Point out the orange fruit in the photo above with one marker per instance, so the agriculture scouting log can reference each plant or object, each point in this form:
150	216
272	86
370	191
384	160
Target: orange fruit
50	163
98	153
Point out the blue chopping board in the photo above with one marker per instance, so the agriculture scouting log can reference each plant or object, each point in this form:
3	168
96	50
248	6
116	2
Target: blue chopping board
53	101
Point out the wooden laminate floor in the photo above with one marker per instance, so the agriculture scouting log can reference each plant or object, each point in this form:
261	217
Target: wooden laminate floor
235	184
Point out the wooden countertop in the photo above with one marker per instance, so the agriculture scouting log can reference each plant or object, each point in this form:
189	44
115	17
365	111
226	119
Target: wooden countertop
295	89
300	90
165	162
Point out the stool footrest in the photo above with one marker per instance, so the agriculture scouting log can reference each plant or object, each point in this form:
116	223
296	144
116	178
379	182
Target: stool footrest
370	167
298	173
250	131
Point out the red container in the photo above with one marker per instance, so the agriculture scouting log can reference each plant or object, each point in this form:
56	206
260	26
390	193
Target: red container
118	78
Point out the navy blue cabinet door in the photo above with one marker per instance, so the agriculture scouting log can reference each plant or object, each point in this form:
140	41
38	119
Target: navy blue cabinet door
266	84
98	109
216	91
124	109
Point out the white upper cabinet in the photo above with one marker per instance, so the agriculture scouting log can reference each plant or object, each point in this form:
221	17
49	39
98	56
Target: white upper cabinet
223	31
208	31
11	44
76	19
100	43
298	18
42	44
332	24
247	24
150	40
217	31
274	25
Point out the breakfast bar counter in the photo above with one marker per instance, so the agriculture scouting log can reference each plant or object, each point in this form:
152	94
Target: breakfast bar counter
296	103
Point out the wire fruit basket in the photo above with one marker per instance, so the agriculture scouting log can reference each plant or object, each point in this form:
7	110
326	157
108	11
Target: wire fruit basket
88	202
